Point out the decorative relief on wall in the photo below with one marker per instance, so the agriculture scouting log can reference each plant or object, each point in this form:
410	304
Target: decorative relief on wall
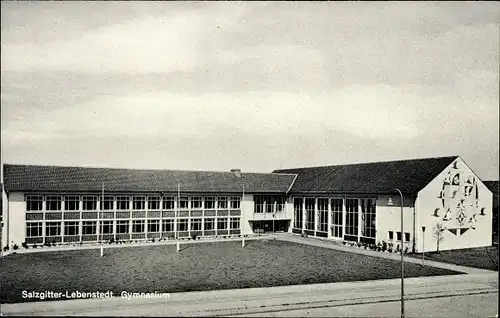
460	208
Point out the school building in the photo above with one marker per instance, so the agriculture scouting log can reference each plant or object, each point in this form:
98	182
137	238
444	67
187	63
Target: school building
442	197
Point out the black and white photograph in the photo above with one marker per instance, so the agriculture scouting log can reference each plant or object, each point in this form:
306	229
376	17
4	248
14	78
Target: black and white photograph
250	158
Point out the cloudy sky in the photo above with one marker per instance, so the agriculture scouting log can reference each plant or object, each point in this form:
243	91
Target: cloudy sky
256	86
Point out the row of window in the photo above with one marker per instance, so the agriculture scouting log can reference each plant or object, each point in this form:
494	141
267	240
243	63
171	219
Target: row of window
398	236
269	204
123	202
35	229
312	214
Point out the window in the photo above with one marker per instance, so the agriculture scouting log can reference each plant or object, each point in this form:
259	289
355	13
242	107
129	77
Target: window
153	203
52	228
398	236
269	204
34	202
196	202
407	237
368	213
107	227
209	224
322	215
222	202
183	203
153	226
297	213
351	219
168	203
235	223
391	235
259	204
89	202
168	225
222	224
235	202
337	208
53	203
122	227
71	203
310	213
138	226
280	204
89	227
209	203
122	203
71	228
195	224
138	203
107	202
182	224
34	229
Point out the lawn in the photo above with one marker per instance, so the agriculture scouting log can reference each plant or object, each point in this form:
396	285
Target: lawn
482	257
203	266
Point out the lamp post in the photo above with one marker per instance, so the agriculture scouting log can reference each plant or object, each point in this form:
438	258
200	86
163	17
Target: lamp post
423	244
402	260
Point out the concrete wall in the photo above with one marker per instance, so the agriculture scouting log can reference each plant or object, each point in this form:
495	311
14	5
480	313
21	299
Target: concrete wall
247	208
389	218
455	191
14	231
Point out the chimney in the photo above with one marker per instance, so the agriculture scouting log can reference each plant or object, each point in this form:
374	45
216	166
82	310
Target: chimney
237	172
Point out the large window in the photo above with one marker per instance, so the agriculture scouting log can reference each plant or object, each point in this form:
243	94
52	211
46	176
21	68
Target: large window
89	202
90	227
107	202
209	224
153	203
368	213
337	207
235	202
34	202
153	226
222	203
53	203
297	213
71	203
280	204
122	226
138	203
138	226
122	203
269	203
168	203
196	203
71	228
310	213
34	229
195	224
209	203
182	224
259	203
235	223
351	219
222	224
107	227
52	228
168	225
322	215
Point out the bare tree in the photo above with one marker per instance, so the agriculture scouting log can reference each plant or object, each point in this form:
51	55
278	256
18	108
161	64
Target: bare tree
438	235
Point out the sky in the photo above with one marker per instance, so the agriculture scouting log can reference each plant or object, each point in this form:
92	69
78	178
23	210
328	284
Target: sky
250	85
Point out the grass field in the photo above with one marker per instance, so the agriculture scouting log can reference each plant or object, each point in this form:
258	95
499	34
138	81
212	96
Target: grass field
482	257
205	266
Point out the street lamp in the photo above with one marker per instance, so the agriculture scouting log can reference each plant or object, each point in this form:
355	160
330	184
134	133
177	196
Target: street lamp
402	260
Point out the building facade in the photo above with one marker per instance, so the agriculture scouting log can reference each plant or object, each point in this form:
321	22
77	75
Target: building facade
443	201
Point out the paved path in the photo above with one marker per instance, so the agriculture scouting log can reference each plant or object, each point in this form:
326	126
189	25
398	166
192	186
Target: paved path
387	255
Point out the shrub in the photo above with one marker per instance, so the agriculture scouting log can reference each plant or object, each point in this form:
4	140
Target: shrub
25	245
398	249
153	240
194	236
359	244
15	247
35	246
384	246
6	248
81	243
406	250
